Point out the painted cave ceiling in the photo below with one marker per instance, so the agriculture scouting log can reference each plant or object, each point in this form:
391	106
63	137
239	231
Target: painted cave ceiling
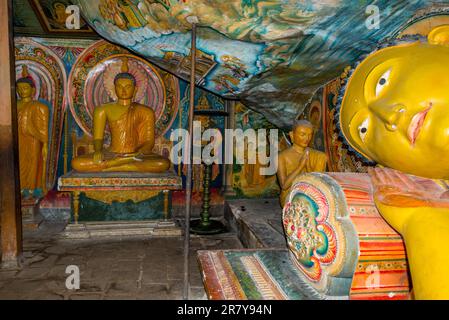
271	54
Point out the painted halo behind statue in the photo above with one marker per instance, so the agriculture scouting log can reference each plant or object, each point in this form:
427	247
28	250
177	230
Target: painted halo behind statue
91	84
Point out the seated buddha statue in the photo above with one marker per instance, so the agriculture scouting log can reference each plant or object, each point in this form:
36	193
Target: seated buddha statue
299	158
398	117
33	118
132	134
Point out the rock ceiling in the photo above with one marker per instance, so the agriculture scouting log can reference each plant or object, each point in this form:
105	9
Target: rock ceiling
272	54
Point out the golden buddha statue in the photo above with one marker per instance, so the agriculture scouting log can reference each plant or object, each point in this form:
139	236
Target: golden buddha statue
299	158
132	134
397	115
33	117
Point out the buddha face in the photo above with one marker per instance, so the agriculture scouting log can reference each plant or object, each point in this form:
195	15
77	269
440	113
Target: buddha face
396	109
301	136
25	90
125	88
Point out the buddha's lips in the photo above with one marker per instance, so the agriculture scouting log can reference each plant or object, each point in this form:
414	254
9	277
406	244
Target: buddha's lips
416	125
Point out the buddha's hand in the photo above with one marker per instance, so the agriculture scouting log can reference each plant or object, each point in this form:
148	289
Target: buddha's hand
98	156
304	158
392	187
398	195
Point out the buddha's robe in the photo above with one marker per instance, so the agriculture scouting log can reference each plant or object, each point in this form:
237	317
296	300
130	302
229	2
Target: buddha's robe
33	120
129	133
316	162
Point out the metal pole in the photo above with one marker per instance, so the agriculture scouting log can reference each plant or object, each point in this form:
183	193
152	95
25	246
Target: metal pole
228	181
189	167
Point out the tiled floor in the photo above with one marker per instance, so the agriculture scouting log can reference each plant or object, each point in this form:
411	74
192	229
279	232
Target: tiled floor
149	268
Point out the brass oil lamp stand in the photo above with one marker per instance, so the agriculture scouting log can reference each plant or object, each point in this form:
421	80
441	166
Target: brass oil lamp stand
205	225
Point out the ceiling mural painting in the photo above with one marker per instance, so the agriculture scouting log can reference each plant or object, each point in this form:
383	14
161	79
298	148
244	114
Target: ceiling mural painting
53	15
48	19
271	54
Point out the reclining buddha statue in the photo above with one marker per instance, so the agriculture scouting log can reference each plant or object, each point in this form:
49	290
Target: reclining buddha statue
132	128
395	112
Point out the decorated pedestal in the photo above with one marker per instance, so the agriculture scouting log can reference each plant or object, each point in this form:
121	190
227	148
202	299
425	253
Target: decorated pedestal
338	241
120	196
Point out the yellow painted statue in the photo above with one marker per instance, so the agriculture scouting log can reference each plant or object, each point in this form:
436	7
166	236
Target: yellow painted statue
396	112
299	158
33	118
132	128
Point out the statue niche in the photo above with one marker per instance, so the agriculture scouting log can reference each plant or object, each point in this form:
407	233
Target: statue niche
132	128
33	119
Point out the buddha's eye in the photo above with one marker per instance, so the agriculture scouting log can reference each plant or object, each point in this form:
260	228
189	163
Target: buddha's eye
363	129
382	82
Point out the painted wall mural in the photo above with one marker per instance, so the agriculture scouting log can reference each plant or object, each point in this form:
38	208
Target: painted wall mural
247	180
82	62
203	102
273	54
53	16
46	18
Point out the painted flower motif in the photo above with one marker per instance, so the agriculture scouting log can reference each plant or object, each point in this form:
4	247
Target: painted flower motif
299	233
310	238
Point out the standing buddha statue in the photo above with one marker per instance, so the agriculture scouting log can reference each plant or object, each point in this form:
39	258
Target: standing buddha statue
33	118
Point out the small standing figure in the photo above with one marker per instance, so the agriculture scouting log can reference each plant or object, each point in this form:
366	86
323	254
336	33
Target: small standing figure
299	158
33	117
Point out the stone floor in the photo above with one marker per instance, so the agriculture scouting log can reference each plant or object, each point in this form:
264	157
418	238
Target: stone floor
138	268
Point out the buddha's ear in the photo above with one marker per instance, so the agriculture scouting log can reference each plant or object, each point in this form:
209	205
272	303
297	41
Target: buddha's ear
290	134
439	35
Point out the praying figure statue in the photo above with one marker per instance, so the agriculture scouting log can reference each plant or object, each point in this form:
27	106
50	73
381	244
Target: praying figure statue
299	158
33	118
132	128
